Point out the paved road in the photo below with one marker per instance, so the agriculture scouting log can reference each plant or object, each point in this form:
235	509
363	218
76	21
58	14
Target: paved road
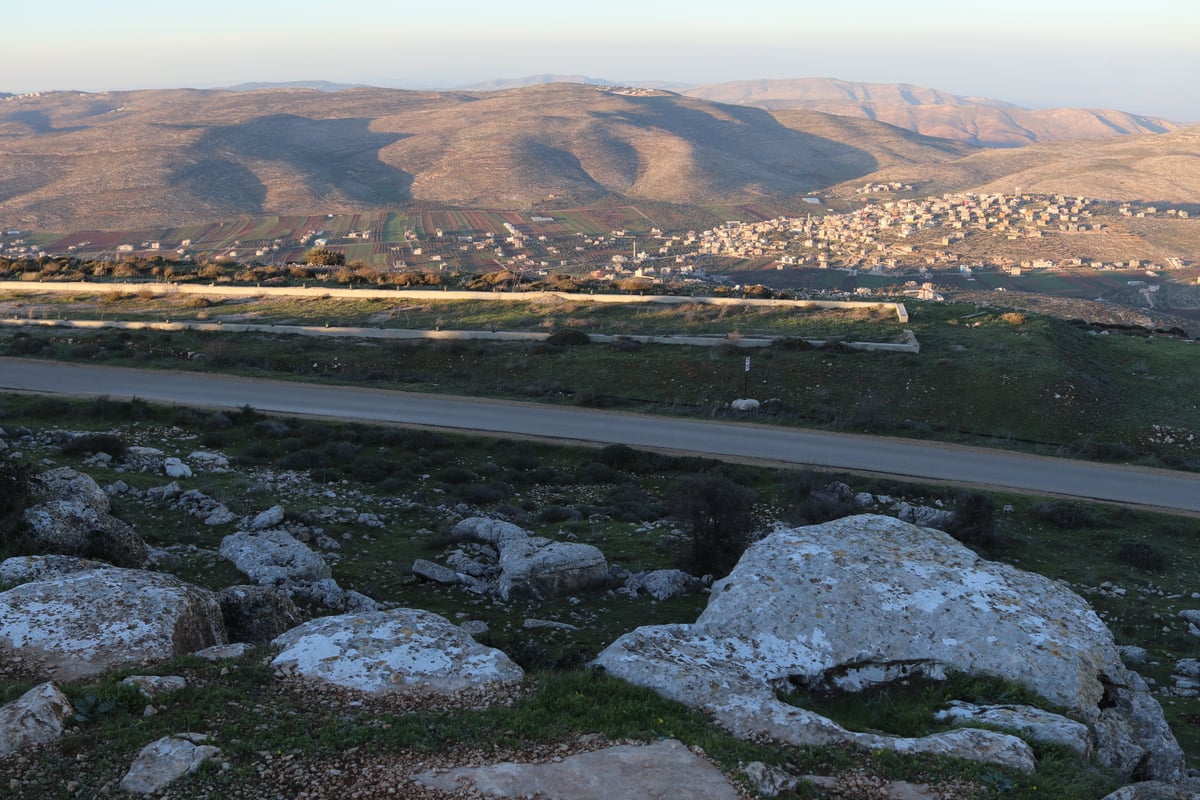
899	457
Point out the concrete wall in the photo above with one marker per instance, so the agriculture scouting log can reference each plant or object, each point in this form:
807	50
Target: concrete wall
910	345
224	290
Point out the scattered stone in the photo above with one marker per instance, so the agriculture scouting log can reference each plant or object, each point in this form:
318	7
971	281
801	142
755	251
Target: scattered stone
174	468
538	568
663	770
768	780
435	572
151	686
475	627
1153	790
84	624
36	717
661	584
1132	654
268	519
273	556
164	761
167	492
116	488
745	404
220	652
401	650
208	461
925	516
551	624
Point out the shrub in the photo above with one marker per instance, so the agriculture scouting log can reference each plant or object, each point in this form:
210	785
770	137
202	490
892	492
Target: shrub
1142	555
974	522
482	494
717	513
23	344
568	337
553	514
16	485
456	475
1065	515
96	443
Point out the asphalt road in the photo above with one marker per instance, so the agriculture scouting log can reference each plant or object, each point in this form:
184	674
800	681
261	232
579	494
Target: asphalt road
899	457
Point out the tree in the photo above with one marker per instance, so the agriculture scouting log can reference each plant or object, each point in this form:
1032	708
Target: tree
320	257
717	514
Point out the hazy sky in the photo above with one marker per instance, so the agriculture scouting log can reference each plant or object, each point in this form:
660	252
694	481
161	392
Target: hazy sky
1134	56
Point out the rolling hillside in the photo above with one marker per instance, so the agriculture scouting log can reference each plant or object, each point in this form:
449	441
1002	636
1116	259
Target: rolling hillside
1154	168
126	159
975	120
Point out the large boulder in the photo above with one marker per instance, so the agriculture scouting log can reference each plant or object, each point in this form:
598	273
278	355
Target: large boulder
539	568
65	483
257	614
403	650
84	624
70	527
273	556
36	717
863	599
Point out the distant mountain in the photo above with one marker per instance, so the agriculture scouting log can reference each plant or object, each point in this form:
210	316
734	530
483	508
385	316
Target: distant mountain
320	86
975	120
1155	168
500	84
126	159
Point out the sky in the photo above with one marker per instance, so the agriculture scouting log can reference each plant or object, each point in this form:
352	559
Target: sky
1132	56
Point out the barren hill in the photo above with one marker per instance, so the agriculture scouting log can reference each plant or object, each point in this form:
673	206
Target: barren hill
126	159
1153	168
976	120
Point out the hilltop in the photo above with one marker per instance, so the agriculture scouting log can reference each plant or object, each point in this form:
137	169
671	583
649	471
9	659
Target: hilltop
932	112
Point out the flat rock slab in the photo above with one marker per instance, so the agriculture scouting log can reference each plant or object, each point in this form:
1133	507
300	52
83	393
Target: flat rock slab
400	650
665	770
273	556
86	623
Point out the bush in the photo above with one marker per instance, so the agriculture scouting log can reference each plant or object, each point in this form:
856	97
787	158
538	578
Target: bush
96	443
1142	555
568	337
553	514
974	522
717	513
16	486
1065	515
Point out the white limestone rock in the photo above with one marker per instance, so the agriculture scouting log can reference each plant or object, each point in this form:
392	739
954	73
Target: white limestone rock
86	623
268	519
804	604
36	717
495	532
166	760
220	652
175	468
67	527
272	557
68	484
437	573
664	770
208	461
23	569
662	584
401	650
1030	723
538	568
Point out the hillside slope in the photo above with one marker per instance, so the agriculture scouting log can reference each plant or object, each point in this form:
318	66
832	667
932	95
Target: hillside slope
1153	168
975	120
157	157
